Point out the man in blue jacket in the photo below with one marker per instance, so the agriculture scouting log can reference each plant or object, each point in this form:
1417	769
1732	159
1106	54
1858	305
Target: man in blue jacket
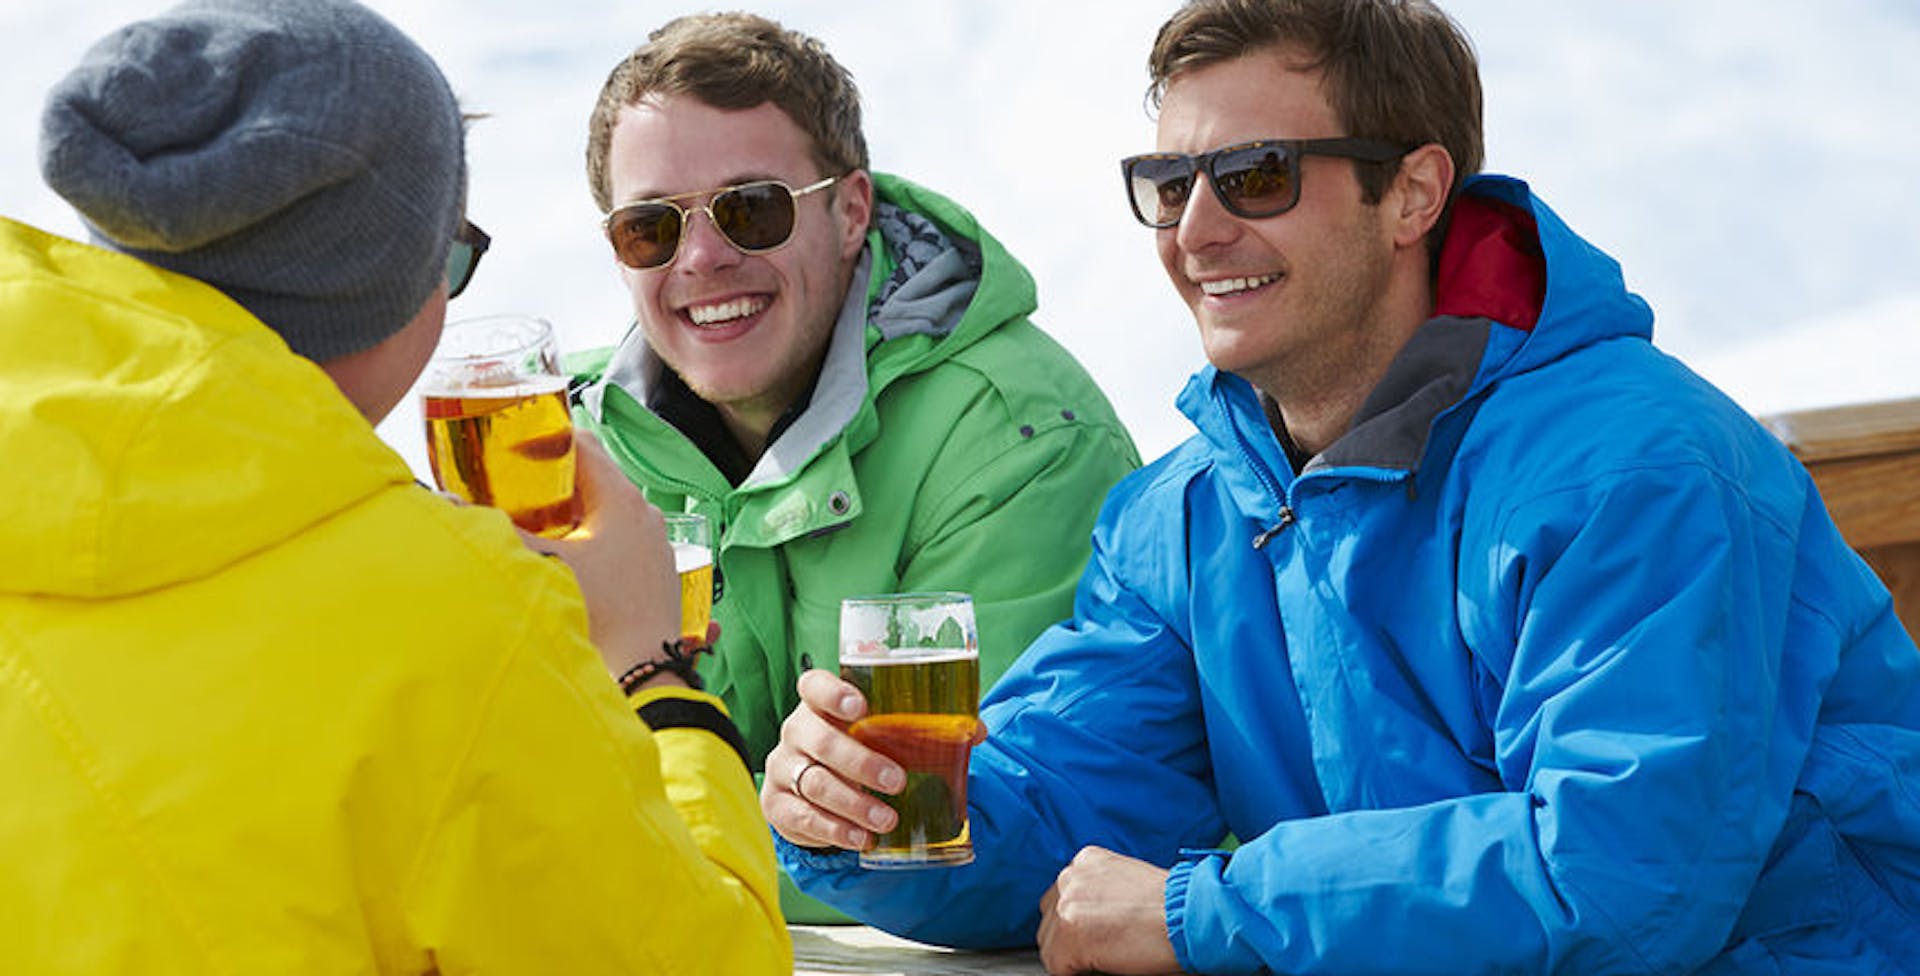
1503	642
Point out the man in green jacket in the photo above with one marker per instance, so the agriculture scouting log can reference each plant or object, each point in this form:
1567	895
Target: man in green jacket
835	366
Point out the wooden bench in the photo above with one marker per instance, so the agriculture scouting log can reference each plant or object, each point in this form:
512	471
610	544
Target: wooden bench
1866	460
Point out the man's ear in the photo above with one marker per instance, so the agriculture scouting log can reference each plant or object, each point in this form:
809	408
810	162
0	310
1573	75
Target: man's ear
853	205
1419	192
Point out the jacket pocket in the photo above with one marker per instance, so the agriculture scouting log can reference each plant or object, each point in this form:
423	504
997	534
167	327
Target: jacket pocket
1800	886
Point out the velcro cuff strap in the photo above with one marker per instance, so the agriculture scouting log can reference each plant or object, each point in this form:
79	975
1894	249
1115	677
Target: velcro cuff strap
683	713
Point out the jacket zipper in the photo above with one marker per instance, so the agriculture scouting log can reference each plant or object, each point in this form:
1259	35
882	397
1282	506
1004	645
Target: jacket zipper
1286	518
1259	471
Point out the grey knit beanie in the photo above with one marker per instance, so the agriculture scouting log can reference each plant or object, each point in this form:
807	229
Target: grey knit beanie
303	156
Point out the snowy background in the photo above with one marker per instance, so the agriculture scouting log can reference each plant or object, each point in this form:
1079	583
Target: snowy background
1751	164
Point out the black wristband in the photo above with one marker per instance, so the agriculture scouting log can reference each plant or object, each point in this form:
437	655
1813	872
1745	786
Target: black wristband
679	660
680	713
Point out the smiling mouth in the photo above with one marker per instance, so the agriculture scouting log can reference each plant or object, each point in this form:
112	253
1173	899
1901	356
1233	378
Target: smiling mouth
1234	286
726	313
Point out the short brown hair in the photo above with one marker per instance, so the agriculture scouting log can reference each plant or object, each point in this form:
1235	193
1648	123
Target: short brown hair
735	61
1397	70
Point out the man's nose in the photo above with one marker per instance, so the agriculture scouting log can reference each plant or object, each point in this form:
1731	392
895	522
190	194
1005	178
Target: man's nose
702	246
1204	221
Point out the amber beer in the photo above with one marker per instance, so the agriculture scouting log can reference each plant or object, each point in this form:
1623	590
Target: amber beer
694	563
498	429
511	449
923	701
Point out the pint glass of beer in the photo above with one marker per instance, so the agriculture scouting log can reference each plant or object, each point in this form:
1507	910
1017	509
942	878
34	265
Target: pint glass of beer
693	559
498	430
916	658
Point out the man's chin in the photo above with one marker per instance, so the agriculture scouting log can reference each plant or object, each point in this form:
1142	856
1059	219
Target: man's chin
723	388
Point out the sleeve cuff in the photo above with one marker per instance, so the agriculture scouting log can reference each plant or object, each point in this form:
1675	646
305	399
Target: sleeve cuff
684	708
1178	881
801	862
1204	939
647	696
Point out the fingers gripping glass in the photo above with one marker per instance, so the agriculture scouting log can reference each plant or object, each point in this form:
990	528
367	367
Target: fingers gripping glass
754	217
468	245
1252	179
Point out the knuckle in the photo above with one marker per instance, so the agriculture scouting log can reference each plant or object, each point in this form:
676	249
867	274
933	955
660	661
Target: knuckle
809	824
782	817
828	829
1066	912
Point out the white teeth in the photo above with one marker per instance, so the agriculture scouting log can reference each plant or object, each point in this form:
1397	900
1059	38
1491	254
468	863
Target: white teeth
1230	286
725	311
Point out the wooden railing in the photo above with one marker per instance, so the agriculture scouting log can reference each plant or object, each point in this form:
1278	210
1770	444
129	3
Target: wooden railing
1866	460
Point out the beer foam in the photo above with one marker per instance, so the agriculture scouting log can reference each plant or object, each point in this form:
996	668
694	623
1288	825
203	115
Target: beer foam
880	656
500	386
689	556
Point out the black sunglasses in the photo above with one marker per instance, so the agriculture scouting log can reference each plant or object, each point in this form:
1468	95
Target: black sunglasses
754	217
1251	180
468	245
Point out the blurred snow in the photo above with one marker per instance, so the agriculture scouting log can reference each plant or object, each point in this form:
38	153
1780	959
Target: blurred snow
1748	163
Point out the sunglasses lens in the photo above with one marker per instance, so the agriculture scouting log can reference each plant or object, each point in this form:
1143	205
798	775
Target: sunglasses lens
645	235
755	217
459	268
1257	181
1159	187
469	243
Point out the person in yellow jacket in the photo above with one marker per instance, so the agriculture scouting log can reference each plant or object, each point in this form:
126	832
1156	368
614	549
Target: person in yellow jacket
267	705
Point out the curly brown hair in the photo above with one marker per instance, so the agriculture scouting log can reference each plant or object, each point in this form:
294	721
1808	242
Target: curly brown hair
735	61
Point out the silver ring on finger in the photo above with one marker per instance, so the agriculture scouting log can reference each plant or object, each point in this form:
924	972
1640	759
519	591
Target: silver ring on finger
800	776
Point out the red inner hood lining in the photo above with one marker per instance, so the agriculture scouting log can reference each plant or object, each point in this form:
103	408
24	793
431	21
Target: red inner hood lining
1491	265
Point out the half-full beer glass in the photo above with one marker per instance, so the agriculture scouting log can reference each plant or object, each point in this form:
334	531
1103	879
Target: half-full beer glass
916	658
498	430
693	559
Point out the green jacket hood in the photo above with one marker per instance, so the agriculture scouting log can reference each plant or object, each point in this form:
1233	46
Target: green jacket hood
935	273
118	382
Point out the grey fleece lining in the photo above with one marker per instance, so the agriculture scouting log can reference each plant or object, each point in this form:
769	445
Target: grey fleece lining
1432	373
933	280
837	395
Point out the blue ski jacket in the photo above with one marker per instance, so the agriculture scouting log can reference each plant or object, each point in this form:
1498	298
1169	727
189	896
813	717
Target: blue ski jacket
1554	663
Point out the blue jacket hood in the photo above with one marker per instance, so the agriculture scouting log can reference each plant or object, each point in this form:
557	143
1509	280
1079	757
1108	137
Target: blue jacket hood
1513	277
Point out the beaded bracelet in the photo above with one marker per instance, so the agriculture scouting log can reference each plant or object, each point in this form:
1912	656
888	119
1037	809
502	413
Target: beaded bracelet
679	660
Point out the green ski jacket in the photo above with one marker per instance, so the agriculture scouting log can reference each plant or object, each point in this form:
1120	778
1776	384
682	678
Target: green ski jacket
949	445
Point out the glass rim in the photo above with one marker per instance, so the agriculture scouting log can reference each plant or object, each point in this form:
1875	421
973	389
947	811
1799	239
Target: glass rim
696	529
530	333
917	596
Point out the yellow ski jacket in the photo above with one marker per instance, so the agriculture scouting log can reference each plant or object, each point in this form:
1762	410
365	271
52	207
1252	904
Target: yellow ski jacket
269	706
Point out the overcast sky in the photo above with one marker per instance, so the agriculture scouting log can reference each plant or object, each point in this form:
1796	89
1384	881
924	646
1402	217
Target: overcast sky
1751	164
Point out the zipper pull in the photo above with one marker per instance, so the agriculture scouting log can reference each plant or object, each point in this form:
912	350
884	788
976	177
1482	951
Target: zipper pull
1286	518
